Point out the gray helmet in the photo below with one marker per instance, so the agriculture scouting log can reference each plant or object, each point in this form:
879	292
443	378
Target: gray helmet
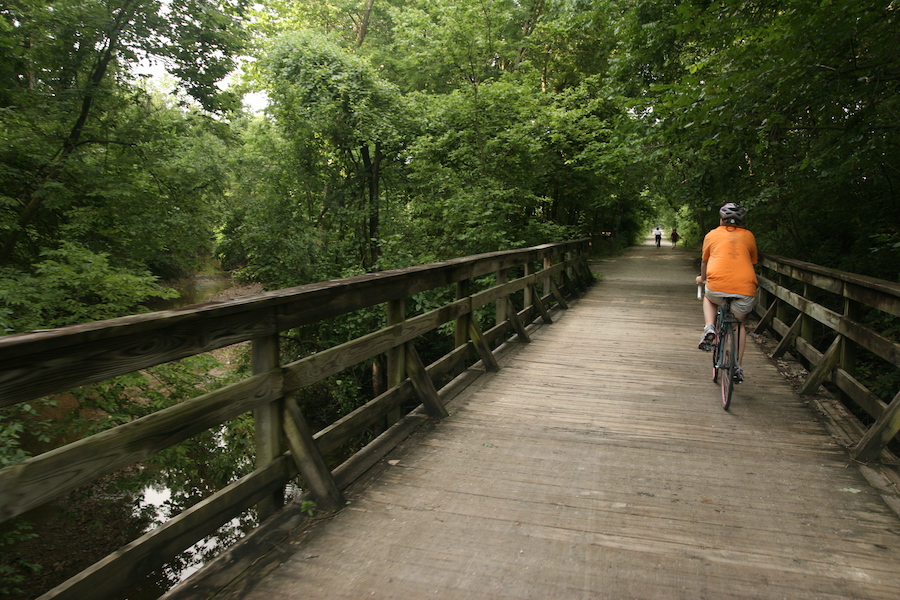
732	213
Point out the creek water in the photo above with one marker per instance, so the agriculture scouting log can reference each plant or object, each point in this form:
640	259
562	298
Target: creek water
193	290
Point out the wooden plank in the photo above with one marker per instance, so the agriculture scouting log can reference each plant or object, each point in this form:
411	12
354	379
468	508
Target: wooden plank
788	340
423	384
823	368
767	317
859	393
889	303
321	365
516	322
542	309
329	362
560	299
309	460
481	346
337	434
94	352
36	480
879	293
864	336
880	433
268	439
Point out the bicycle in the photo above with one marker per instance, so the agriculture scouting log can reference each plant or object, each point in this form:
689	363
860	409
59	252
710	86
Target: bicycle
725	350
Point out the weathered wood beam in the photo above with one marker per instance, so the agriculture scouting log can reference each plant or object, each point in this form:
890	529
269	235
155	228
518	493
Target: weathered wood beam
36	480
789	338
481	347
823	369
859	393
880	433
542	309
309	460
869	339
516	322
423	384
766	320
332	437
560	299
267	425
39	363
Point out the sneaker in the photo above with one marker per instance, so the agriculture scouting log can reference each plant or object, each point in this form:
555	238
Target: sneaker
738	375
708	339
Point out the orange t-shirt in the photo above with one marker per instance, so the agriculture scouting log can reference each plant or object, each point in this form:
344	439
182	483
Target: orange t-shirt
731	254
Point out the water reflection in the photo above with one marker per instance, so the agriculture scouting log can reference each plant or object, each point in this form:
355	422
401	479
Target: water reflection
192	290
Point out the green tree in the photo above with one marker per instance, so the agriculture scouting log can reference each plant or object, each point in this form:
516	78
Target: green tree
336	110
67	65
789	109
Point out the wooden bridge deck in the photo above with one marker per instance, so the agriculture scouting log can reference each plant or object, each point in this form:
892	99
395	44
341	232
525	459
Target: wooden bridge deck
598	463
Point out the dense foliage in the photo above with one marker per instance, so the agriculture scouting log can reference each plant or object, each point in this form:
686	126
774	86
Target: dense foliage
399	132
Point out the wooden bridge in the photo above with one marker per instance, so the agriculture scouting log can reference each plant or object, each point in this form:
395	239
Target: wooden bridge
587	458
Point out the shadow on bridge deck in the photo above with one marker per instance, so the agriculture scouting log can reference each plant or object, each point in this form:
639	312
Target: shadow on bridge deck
598	463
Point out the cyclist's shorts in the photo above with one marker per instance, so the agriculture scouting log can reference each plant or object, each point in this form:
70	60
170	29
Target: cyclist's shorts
740	304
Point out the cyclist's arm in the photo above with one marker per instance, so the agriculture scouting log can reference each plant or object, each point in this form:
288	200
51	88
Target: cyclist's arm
702	277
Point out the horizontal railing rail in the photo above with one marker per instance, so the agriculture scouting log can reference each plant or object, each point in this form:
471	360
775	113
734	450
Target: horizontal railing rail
799	301
42	363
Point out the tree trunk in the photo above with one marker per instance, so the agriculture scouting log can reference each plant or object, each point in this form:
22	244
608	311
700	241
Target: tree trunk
372	166
364	26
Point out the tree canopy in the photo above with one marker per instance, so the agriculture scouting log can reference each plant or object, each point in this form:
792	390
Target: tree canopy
400	131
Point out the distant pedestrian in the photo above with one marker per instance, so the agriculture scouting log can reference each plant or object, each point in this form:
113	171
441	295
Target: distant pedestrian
658	234
674	237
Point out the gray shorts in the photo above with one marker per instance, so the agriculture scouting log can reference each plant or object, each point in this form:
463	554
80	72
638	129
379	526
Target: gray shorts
740	304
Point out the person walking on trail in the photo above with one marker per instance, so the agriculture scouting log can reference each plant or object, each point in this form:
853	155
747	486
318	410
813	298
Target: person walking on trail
674	237
658	234
729	253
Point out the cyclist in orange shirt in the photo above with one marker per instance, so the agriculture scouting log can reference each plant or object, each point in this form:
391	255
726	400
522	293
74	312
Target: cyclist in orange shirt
729	253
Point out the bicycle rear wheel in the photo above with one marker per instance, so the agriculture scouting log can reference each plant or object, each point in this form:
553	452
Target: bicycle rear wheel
717	349
728	365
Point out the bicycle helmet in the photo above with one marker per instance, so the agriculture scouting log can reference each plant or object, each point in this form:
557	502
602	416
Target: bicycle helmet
732	213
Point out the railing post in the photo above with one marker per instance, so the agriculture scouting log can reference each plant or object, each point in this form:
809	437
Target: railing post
502	304
847	361
268	437
781	313
852	311
461	330
528	291
545	283
806	327
396	357
506	310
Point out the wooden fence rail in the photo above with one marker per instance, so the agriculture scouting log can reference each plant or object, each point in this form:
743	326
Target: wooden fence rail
42	363
795	296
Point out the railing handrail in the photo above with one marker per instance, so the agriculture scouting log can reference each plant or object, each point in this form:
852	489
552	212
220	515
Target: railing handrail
790	314
890	289
40	363
205	327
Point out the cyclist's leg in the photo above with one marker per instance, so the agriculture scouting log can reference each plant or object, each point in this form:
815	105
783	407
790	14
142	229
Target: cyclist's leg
707	338
741	337
709	311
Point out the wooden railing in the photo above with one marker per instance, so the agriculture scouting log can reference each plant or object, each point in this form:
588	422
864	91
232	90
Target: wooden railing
819	315
42	363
